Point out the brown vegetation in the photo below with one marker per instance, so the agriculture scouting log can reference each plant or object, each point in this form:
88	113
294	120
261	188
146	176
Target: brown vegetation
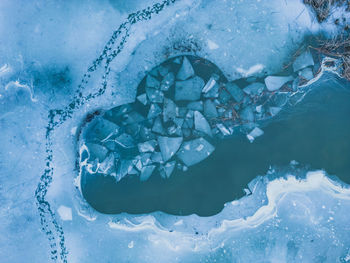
322	8
338	47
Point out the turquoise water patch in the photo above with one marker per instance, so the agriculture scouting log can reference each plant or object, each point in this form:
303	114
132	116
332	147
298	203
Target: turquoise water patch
313	133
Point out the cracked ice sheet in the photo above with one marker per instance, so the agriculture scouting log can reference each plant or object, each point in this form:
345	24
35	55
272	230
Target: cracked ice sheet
65	35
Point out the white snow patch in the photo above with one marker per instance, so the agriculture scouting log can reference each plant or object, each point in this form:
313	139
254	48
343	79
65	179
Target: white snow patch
65	213
212	45
251	71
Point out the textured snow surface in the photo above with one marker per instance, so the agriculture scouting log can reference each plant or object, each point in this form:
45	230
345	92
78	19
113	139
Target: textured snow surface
58	63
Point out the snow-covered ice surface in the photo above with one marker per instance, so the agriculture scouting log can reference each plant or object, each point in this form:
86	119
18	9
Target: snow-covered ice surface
58	63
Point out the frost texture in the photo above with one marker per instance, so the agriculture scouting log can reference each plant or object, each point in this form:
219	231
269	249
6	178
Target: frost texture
46	47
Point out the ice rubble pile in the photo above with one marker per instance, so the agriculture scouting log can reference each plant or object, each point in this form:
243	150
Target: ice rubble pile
181	107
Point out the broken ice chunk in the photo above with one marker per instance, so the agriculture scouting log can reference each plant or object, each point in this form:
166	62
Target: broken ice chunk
181	112
210	109
235	91
177	60
163	70
156	157
224	96
169	146
154	111
274	110
146	133
280	99
274	83
125	140
304	60
247	114
132	118
158	126
169	110
142	98
154	95
195	105
178	121
147	146
195	151
189	89
306	73
96	151
154	72
133	171
222	128
213	92
174	130
125	167
186	132
201	124
110	145
258	108
101	129
167	81
254	89
152	82
167	169
146	172
107	166
186	71
210	84
145	158
256	132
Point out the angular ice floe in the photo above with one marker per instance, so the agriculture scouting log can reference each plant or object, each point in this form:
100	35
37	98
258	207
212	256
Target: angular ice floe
169	146
195	105
169	110
190	89
156	157
154	111
125	166
155	95
254	89
210	84
101	129
256	132
152	82
235	91
213	92
222	128
306	73
158	126
210	109
142	98
146	172
274	83
194	151
274	110
186	71
96	151
162	70
303	60
201	124
147	146
107	166
247	114
167	169
167	81
224	96
125	140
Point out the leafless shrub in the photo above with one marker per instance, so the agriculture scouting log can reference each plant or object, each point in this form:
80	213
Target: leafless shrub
322	8
338	47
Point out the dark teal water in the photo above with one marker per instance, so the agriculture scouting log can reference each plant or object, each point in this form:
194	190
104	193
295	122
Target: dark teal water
315	133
